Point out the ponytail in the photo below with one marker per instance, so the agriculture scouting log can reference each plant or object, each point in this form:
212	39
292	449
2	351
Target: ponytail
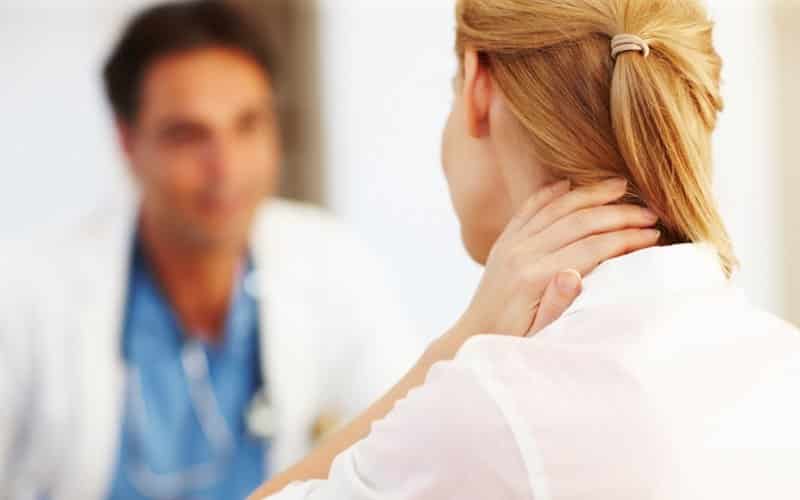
660	105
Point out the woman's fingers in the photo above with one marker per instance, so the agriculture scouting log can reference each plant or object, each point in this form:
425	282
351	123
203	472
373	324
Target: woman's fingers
592	221
537	202
579	199
511	296
559	295
588	253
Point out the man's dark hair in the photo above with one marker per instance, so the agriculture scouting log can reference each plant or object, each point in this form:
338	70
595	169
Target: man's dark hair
170	28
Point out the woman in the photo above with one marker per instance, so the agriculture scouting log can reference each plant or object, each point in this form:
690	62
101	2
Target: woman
661	380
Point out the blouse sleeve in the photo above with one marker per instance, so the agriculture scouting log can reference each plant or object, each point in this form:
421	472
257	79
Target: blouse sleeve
446	440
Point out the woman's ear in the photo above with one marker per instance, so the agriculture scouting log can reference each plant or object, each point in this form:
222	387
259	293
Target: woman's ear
477	94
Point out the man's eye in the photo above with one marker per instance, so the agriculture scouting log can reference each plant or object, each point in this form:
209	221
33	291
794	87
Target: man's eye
251	124
182	135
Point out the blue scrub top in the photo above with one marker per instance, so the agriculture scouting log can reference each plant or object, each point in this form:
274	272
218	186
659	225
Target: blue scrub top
162	434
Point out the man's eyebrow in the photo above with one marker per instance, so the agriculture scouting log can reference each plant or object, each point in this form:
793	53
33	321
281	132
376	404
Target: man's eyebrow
173	123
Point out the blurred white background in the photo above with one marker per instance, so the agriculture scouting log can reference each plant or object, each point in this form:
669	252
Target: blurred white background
385	83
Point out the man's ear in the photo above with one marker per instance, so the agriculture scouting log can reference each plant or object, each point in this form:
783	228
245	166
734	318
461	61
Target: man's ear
477	94
124	136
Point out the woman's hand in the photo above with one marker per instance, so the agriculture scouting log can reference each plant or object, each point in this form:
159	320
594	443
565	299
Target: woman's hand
533	272
524	288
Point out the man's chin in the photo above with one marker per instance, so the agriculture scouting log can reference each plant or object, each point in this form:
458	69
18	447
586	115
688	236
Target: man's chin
222	230
219	236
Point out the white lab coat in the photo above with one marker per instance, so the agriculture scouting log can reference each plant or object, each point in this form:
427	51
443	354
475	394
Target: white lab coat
332	341
661	382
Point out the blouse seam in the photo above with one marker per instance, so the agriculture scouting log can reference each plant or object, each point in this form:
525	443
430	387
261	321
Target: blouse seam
527	445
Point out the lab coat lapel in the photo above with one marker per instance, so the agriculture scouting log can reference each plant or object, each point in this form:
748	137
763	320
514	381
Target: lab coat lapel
286	339
104	269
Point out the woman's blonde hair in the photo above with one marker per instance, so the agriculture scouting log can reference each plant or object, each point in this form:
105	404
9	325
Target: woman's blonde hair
590	117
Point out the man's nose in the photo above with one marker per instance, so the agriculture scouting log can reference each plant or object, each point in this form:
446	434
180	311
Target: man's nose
219	158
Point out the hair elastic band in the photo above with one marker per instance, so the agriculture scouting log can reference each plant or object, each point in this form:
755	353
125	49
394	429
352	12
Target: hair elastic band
628	43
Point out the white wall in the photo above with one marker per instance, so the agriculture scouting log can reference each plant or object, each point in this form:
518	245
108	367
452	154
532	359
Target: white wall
58	152
386	72
387	68
748	170
786	19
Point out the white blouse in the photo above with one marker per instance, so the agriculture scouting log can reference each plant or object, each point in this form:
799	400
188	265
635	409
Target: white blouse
660	382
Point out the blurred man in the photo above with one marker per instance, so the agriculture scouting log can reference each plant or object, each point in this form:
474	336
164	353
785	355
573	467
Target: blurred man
195	338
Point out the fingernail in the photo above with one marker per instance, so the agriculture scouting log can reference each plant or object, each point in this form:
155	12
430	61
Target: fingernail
650	216
654	234
617	183
562	186
568	282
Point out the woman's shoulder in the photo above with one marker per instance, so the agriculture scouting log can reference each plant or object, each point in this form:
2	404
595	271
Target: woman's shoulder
606	393
449	431
571	407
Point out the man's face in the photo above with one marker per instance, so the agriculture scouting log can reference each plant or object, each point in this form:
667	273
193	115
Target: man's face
204	146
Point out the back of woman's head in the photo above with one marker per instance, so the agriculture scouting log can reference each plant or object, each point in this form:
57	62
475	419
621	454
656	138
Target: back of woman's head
645	117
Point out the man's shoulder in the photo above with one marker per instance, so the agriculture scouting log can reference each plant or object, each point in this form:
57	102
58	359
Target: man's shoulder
307	238
279	213
35	248
50	248
296	225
